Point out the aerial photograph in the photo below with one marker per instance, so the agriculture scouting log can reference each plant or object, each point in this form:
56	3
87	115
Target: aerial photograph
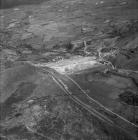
68	69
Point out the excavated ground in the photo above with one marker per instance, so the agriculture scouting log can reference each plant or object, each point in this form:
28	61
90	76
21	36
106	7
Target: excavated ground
94	42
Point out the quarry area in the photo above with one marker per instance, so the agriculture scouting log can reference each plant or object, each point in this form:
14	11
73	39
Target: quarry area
68	69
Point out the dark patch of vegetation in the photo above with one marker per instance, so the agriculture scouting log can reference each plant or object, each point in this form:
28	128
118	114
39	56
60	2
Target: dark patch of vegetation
23	91
4	37
122	29
129	98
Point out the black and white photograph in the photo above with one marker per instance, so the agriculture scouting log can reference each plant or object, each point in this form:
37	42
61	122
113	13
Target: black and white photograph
68	69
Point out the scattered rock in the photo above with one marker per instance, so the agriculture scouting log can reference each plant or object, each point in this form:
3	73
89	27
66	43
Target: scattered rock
107	21
12	25
30	101
16	9
2	16
88	29
123	3
26	52
101	2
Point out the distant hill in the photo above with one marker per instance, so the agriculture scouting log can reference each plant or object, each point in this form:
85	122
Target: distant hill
12	3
